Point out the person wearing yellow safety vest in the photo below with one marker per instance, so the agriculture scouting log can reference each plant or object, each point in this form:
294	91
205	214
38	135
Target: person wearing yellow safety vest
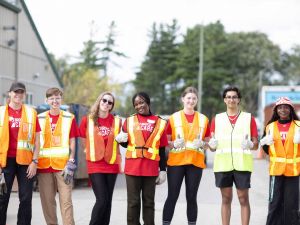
145	164
19	149
233	135
59	131
186	130
281	141
98	131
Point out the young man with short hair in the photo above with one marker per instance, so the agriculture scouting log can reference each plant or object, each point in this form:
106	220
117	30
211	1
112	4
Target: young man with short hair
56	158
234	134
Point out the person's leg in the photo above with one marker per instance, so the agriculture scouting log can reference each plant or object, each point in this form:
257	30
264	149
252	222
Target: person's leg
275	211
291	200
134	187
226	205
242	182
193	176
65	199
9	175
224	181
48	189
111	181
148	194
175	176
25	196
243	195
100	189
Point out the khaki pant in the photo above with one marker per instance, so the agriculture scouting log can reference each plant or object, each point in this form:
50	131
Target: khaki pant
49	184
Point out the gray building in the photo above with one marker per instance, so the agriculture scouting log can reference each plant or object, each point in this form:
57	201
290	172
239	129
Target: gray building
23	56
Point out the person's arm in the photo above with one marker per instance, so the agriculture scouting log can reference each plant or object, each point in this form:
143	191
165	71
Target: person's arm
162	161
254	134
265	147
72	148
31	170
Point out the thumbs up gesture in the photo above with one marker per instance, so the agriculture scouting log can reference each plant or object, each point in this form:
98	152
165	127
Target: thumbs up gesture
179	142
297	136
198	143
122	137
246	143
213	142
267	140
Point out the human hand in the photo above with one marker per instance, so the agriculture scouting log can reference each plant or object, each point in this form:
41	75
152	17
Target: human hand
246	143
267	140
122	137
68	172
297	137
179	142
161	178
3	187
213	142
31	170
198	143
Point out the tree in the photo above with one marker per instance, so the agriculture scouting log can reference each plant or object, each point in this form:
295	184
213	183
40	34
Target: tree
291	66
158	66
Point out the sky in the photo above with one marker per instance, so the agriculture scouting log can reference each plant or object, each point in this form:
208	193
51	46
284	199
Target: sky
65	24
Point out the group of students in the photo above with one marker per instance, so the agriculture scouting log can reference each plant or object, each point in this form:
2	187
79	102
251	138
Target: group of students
156	150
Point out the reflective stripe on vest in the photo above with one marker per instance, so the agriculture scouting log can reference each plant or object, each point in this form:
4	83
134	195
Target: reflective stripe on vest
110	152
284	159
54	151
137	146
181	127
229	154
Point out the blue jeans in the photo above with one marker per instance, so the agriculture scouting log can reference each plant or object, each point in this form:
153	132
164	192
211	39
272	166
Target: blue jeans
11	170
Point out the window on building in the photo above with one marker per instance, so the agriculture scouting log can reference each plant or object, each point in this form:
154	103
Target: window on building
29	98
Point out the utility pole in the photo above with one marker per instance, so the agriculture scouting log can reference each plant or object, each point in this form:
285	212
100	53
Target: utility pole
200	72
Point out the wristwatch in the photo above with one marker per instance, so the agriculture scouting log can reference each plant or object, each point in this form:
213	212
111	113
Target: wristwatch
72	160
35	161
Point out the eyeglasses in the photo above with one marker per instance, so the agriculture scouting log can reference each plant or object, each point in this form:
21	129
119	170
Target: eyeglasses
105	100
232	97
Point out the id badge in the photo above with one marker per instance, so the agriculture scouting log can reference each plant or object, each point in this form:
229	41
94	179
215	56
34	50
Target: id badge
25	127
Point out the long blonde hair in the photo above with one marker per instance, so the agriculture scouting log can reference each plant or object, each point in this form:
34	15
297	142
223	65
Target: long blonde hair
94	111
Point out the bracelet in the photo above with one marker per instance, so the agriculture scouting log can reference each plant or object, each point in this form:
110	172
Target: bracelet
35	161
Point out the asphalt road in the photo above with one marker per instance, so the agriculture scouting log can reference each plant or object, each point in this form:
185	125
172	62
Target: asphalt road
209	200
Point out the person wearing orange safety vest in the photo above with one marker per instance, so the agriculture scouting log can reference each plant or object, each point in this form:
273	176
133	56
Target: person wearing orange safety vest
187	129
281	141
233	136
98	131
19	149
145	166
59	131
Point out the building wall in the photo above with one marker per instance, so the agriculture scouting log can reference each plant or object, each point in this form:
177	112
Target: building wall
25	60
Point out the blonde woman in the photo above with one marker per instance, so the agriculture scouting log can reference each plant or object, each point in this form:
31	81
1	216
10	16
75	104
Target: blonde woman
98	131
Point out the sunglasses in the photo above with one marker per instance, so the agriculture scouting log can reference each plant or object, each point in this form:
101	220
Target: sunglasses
105	100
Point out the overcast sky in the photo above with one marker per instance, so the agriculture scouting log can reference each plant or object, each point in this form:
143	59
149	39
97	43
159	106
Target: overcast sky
65	24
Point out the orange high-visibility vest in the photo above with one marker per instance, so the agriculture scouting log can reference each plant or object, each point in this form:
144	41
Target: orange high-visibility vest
54	148
95	147
180	126
26	135
137	146
284	159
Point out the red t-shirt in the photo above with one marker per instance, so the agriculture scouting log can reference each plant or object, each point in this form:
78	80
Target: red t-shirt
144	166
283	130
14	117
190	119
104	129
233	119
73	134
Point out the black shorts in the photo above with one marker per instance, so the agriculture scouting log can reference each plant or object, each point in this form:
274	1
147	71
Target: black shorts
241	179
